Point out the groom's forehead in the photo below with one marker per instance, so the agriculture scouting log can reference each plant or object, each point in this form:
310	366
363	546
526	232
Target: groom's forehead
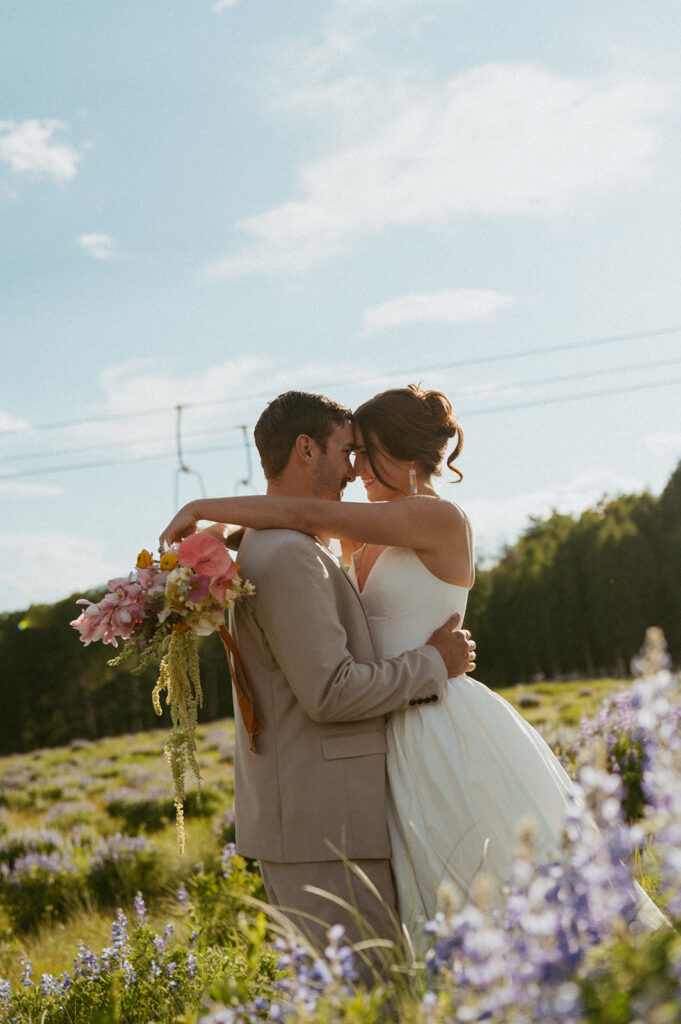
343	435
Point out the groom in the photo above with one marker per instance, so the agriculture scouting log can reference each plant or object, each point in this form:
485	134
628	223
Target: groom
314	795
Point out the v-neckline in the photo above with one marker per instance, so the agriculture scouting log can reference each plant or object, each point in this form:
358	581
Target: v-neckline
360	590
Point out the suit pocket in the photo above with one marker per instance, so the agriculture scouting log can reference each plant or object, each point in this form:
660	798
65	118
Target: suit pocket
354	745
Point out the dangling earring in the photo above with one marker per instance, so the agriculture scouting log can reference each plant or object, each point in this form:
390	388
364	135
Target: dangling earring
413	482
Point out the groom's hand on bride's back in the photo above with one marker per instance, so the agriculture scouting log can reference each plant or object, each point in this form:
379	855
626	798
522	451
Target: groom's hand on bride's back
455	647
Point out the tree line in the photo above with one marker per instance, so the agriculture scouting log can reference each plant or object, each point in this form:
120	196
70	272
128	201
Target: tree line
573	596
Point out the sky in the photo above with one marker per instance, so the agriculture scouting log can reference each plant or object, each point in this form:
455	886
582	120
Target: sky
204	204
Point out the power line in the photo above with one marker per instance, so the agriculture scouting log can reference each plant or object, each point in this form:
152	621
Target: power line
536	382
107	445
161	456
573	398
512	407
457	364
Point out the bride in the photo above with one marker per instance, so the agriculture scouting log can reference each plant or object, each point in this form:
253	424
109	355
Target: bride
465	774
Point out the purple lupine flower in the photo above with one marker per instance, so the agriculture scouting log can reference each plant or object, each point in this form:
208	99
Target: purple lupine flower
5	994
183	897
26	972
86	963
192	965
119	932
339	955
129	975
170	969
228	853
140	908
49	985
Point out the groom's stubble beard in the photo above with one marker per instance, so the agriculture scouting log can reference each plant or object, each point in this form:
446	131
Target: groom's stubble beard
326	482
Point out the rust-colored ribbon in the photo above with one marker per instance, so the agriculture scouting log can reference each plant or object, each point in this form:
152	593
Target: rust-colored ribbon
244	697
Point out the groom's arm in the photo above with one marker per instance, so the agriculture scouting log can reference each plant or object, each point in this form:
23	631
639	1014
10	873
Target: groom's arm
295	607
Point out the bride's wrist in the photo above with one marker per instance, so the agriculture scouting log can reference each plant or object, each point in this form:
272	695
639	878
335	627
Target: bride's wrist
193	508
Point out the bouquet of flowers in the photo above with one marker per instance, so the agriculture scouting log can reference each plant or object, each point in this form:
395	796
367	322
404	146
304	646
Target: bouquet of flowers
158	612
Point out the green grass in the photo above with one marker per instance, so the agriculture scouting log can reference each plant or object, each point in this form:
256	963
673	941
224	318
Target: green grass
561	704
81	776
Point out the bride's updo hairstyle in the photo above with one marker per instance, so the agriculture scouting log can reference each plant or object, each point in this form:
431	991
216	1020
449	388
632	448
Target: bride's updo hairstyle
411	425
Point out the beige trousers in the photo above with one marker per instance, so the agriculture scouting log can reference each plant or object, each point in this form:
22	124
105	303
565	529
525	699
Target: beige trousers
313	914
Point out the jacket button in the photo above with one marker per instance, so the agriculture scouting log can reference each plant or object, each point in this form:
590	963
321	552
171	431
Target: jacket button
434	698
419	700
412	702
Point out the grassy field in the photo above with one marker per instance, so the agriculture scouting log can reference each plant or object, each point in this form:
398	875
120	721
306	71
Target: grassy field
89	793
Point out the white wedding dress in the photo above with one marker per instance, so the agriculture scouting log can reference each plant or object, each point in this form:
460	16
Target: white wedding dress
464	773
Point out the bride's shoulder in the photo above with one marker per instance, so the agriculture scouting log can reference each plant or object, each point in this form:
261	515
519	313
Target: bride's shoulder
450	513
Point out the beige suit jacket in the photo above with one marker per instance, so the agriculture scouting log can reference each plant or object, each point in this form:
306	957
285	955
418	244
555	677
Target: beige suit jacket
319	775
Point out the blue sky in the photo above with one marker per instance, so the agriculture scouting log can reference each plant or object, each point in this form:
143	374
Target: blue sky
208	203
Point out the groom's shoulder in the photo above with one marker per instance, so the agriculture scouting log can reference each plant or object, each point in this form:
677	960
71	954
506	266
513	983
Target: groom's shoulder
263	545
270	555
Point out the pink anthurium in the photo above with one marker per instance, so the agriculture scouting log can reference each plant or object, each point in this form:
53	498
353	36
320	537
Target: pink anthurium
204	554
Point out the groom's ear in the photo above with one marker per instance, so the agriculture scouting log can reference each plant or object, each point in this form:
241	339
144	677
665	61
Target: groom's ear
304	448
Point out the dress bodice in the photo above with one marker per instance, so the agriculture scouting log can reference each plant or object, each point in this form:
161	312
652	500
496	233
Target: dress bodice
404	602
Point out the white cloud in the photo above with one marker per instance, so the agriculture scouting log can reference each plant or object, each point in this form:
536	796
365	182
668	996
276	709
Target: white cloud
46	566
11	423
501	521
28	148
500	139
456	306
99	246
221	5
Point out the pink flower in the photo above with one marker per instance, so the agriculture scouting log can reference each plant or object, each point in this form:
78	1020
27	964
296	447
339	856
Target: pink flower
204	554
221	585
197	588
151	581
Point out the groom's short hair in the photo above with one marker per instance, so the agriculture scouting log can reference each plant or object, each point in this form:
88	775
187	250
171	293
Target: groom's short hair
287	417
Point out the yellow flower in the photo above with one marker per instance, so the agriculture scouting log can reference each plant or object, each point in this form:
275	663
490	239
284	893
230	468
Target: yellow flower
144	559
168	561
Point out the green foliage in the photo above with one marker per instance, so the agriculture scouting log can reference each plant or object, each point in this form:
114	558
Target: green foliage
54	690
635	982
121	867
574	596
219	897
41	890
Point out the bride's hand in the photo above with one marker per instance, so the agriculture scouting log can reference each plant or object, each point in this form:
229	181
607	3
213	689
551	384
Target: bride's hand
181	525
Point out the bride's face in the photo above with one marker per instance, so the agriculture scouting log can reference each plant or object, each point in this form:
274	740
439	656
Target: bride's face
393	471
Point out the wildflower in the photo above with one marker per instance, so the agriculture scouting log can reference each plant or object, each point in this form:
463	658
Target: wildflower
183	897
144	560
140	908
168	561
5	994
228	854
26	972
86	963
192	965
170	974
197	589
49	985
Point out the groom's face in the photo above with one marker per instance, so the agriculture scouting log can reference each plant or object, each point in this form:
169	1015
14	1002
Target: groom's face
333	467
